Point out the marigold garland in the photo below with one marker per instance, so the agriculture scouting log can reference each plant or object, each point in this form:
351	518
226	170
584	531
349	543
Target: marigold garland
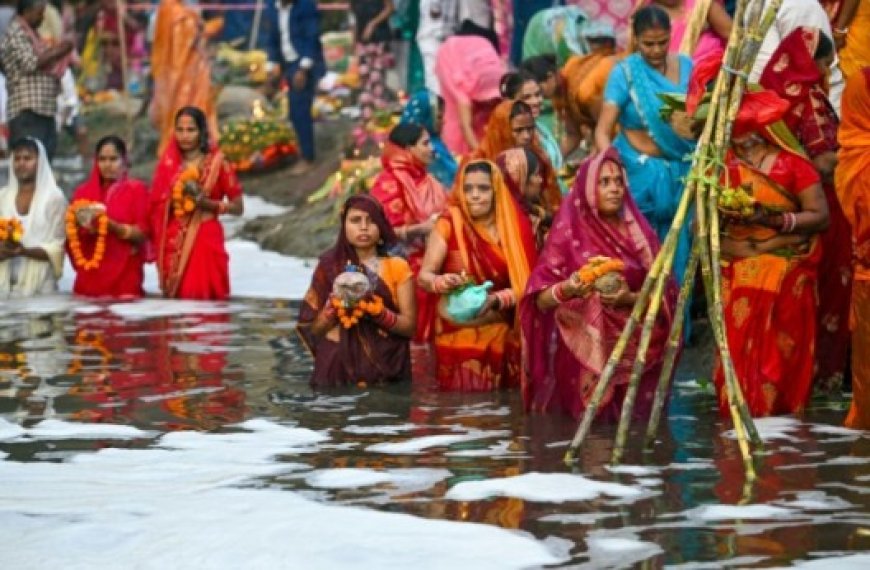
598	267
11	230
183	203
72	235
350	316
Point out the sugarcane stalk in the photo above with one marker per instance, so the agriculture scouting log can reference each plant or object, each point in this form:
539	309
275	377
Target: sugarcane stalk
675	341
640	358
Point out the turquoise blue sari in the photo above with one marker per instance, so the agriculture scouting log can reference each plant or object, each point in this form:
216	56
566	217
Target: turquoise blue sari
554	151
656	182
420	110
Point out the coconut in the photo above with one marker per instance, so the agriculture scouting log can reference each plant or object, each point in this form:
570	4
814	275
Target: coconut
608	283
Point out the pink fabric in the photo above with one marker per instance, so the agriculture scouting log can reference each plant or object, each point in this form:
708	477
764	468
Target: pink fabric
615	12
469	71
566	348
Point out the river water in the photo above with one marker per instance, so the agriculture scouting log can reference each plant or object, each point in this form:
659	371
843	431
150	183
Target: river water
167	434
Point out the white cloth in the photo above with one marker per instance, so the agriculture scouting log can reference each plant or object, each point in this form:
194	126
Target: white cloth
478	11
792	15
437	23
287	49
44	229
68	102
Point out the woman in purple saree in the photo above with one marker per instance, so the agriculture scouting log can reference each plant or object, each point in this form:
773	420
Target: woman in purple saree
569	329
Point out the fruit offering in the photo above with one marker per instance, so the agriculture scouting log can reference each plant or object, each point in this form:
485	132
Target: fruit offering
737	201
604	273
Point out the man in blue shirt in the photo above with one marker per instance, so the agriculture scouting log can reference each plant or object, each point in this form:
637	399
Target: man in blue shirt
302	63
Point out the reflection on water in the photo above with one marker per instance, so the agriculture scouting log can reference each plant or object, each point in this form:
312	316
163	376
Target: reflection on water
403	448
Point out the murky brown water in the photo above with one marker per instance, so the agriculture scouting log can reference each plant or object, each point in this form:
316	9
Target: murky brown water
205	371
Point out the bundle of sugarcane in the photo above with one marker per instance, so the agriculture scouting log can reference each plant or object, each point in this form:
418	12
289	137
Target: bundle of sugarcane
706	179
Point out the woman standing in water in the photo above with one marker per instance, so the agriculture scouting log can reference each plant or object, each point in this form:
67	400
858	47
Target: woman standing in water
193	185
365	341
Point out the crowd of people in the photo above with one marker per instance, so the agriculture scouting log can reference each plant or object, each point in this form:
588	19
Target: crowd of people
115	224
510	237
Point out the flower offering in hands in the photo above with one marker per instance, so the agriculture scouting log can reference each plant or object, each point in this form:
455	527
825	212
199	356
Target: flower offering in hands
11	230
86	214
186	191
604	273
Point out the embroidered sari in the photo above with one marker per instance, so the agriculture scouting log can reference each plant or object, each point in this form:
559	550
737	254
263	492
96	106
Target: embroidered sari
192	260
365	352
767	297
656	182
484	357
566	348
409	195
120	272
853	186
793	75
421	109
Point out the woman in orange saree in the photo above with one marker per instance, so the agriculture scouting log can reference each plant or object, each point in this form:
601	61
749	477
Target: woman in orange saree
412	200
483	236
193	185
853	187
770	265
180	67
796	72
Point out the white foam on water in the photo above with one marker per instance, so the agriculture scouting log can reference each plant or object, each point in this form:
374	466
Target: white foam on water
44	305
180	506
711	513
501	450
582	518
152	308
817	501
771	428
741	561
406	480
635	470
541	487
838	562
59	429
837	430
419	444
380	430
618	549
692	465
371	415
478	410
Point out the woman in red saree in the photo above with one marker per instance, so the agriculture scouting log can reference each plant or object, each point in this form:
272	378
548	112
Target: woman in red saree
375	349
797	72
568	328
412	200
126	201
853	187
770	265
483	236
192	261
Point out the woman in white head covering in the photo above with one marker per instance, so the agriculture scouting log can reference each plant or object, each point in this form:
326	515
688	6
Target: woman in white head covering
33	264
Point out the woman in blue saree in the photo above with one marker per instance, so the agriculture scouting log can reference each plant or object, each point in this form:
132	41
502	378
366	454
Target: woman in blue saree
656	158
425	108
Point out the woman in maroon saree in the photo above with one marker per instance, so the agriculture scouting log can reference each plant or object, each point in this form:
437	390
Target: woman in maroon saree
126	201
569	329
376	348
797	73
192	260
